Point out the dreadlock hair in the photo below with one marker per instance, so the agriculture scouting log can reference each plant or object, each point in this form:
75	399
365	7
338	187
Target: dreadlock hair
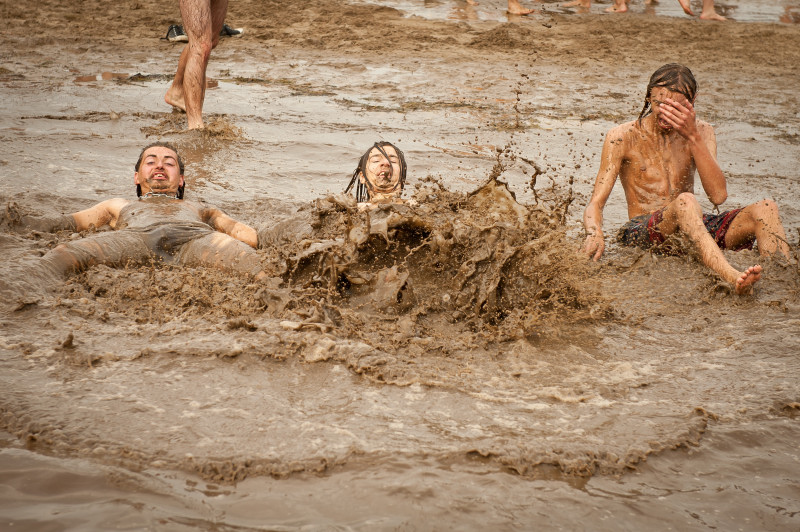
674	77
162	144
362	192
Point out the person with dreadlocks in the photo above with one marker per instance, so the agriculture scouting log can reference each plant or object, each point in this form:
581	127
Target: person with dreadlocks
378	180
379	177
656	158
159	225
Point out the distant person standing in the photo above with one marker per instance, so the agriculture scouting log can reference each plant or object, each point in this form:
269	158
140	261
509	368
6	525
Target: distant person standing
709	12
514	7
621	6
202	21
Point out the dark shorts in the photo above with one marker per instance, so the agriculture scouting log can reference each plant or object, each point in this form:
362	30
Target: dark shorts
642	231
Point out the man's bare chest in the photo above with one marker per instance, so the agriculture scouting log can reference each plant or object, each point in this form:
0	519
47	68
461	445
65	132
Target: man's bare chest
667	168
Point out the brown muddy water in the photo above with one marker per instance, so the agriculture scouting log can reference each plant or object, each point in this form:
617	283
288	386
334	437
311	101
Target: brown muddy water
453	365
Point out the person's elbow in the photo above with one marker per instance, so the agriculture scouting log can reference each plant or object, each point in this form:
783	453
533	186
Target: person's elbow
718	197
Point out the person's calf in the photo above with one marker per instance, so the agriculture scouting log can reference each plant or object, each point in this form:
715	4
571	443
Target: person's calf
764	223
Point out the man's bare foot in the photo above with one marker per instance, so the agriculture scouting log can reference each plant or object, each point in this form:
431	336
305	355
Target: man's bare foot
195	124
712	15
515	8
620	6
686	7
579	3
748	279
174	97
472	2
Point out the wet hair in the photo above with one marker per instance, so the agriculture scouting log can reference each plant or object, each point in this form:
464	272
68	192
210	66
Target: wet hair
162	144
362	193
674	77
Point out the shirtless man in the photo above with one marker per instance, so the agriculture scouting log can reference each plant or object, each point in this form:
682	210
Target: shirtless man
381	176
656	158
202	21
160	224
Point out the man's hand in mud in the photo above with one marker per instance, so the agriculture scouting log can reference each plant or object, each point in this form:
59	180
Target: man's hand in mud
10	217
12	220
680	115
594	246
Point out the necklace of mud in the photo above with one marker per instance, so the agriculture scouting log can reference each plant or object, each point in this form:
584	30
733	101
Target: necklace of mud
157	195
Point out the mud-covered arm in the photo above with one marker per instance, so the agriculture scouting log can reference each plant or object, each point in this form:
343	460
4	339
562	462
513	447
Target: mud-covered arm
702	144
104	213
225	224
610	164
99	215
704	153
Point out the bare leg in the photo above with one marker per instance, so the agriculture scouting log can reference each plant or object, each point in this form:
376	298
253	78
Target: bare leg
620	6
763	221
686	7
685	215
709	11
174	95
515	8
224	252
202	21
579	3
27	280
112	249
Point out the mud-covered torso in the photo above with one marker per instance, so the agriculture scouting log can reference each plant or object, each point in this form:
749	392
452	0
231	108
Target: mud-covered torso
158	210
655	170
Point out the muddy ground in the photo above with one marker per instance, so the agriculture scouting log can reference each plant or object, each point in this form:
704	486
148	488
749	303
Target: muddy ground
451	363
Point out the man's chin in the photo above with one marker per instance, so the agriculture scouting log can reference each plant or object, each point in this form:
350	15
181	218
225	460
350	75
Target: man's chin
168	191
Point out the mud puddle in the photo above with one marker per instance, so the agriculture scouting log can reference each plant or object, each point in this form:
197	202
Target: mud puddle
451	364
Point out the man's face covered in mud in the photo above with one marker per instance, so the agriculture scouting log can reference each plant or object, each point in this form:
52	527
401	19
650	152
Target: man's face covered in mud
159	171
381	174
658	98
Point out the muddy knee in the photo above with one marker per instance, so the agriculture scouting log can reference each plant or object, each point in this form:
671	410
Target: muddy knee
687	202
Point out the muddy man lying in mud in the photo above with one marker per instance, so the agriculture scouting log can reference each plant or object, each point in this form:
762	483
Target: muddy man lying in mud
655	158
160	224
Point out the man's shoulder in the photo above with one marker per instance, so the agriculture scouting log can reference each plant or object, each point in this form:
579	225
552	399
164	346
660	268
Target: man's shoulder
114	204
621	129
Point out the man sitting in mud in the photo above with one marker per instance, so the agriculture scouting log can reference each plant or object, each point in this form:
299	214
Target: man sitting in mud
159	225
656	157
380	176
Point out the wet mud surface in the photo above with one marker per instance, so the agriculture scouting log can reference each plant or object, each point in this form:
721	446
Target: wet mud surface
452	362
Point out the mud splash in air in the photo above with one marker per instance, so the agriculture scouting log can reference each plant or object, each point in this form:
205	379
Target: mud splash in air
452	273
